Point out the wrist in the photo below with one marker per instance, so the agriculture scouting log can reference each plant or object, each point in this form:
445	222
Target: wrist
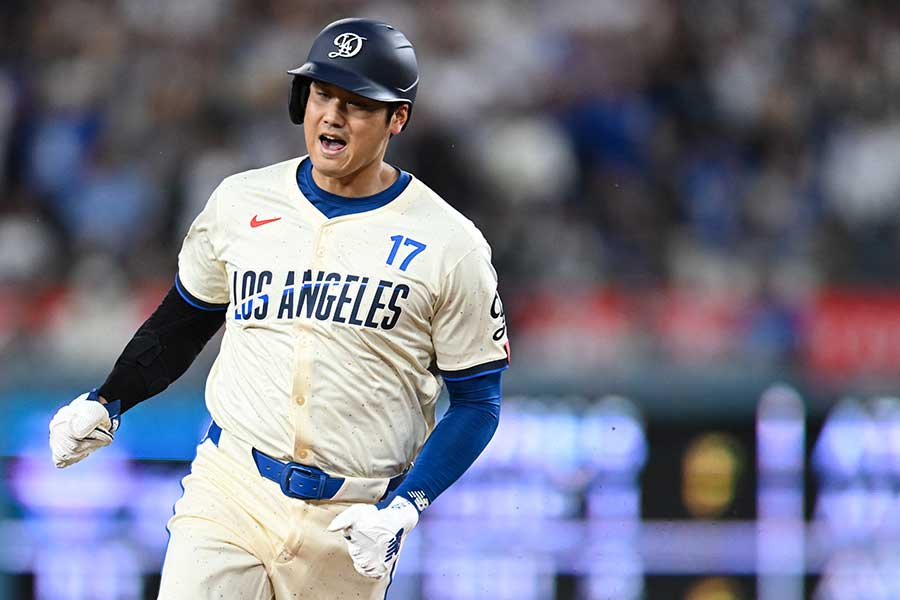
405	511
114	408
416	498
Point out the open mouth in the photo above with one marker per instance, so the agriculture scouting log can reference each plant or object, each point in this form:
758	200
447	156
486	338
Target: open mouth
331	144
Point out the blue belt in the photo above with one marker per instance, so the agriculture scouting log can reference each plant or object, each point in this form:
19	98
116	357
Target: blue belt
296	480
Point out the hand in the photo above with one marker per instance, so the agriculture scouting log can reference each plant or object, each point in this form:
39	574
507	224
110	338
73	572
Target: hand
79	428
374	536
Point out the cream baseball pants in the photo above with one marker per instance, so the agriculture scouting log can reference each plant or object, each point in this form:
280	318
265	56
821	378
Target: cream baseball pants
235	535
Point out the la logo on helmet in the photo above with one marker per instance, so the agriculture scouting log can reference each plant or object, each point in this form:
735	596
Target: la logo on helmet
349	44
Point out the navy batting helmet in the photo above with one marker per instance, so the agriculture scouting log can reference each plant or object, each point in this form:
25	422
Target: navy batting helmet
366	57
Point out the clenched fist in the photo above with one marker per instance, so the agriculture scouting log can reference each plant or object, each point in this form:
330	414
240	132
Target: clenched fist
80	427
374	536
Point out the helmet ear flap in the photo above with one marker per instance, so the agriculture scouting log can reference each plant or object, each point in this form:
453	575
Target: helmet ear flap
299	97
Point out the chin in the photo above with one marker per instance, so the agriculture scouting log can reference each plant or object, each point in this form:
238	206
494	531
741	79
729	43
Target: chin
329	166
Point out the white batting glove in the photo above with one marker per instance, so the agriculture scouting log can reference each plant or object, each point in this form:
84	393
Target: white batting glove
79	428
374	536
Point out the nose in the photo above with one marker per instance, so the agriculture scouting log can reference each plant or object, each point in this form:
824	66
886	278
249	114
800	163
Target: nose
333	115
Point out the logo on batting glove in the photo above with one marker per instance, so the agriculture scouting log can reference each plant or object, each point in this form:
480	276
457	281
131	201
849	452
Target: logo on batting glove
393	547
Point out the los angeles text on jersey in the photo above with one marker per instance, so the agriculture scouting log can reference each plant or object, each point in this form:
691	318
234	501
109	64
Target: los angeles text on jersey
325	296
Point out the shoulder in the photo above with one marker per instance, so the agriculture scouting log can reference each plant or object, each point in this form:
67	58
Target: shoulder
458	231
254	189
271	178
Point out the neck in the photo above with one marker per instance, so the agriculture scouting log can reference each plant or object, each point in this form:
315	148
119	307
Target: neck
371	179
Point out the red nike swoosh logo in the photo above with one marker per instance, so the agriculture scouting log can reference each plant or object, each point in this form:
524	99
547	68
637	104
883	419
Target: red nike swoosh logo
254	222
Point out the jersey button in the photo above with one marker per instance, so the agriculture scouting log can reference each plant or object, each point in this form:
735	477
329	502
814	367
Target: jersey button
320	252
302	454
300	401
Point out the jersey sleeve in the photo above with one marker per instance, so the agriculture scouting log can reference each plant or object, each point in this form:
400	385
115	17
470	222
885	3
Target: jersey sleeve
202	279
469	325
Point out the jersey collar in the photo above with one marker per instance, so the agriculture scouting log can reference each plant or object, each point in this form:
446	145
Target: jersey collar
333	205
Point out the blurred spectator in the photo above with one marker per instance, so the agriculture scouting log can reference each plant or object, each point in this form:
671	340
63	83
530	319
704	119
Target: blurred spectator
646	145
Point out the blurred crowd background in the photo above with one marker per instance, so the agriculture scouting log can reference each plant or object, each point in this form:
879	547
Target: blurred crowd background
670	180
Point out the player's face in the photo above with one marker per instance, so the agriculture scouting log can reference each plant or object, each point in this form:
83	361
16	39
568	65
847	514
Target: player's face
346	134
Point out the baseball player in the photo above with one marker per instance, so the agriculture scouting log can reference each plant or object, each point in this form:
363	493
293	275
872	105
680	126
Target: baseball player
350	292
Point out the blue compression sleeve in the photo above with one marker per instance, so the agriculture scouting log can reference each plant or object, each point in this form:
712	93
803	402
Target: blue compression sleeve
457	440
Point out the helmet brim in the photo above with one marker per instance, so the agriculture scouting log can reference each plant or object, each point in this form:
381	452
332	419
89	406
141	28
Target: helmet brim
351	82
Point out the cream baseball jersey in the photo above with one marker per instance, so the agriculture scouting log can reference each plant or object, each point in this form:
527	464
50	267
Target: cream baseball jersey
337	330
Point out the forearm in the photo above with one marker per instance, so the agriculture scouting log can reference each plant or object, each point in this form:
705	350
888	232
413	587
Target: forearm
161	350
457	440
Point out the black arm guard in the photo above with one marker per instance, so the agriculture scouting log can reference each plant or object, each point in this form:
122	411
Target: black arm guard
161	350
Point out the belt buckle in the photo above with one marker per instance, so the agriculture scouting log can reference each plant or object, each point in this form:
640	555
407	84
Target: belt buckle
291	468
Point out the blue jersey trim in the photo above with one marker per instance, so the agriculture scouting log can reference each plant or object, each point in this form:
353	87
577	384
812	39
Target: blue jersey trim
476	371
194	301
332	205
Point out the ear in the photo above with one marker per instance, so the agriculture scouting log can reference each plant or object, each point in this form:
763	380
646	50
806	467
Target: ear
398	120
